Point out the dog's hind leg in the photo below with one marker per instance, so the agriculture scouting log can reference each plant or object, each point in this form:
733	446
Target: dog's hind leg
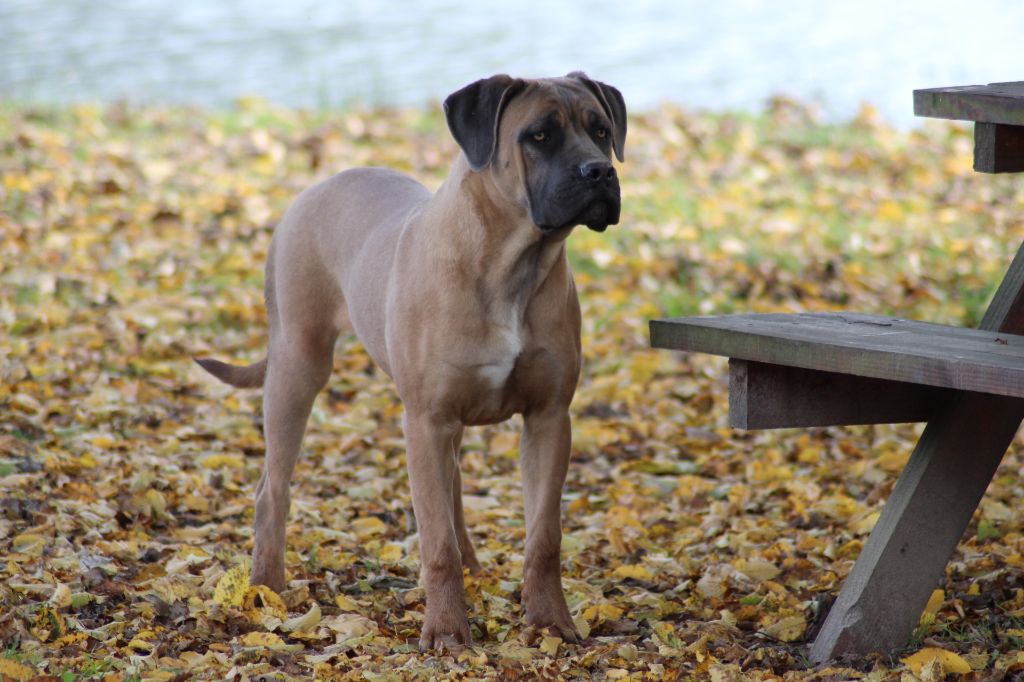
469	559
296	373
299	363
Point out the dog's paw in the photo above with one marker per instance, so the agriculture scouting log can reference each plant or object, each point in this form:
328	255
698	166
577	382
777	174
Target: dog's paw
444	634
560	625
544	603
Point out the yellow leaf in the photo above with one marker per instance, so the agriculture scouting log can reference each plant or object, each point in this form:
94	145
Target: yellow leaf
15	671
261	601
931	609
61	596
156	501
306	621
950	662
142	645
348	626
549	645
634	571
368	526
217	461
232	587
28	543
514	651
865	524
70	639
602	612
346	604
261	639
48	625
582	625
758	570
788	629
628	652
391	552
505	443
103	442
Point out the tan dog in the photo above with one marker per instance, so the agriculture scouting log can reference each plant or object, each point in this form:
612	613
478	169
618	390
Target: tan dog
466	300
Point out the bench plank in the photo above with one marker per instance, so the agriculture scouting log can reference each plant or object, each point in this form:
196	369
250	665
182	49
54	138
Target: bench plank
862	345
763	396
993	103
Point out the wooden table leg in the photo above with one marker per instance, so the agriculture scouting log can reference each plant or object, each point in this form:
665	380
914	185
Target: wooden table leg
920	526
931	505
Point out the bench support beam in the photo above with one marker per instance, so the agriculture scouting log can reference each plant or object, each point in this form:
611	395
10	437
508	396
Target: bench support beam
920	526
767	396
930	507
998	148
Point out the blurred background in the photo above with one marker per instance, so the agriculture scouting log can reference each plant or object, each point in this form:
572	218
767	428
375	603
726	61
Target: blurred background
728	54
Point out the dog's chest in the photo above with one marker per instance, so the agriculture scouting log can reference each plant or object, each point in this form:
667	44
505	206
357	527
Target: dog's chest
505	345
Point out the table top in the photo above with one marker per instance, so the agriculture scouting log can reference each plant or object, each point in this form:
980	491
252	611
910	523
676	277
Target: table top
993	103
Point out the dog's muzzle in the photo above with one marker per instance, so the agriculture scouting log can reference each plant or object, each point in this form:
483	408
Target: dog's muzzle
582	194
602	203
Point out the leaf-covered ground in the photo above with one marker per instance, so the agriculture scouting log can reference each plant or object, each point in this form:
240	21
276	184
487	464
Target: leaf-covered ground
134	239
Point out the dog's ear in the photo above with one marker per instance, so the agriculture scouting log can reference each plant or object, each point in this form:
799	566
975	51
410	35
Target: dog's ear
614	108
473	114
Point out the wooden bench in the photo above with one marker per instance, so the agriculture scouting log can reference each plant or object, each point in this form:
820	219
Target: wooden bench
828	369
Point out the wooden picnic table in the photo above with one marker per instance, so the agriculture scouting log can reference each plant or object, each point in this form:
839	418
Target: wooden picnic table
829	369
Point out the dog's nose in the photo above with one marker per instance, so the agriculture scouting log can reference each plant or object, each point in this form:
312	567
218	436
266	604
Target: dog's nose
596	171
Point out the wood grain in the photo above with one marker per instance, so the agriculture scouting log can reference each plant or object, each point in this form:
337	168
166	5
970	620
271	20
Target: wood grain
993	103
763	396
863	345
998	148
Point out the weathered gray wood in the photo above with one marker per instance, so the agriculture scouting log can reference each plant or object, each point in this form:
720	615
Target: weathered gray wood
998	148
1006	311
863	345
763	396
993	103
920	526
931	505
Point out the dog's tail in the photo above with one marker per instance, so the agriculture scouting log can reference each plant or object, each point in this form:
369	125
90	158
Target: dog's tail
249	376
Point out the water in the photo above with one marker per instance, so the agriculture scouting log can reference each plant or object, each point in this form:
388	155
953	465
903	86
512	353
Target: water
699	53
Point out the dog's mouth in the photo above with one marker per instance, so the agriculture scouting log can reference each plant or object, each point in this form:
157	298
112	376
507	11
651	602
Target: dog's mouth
597	216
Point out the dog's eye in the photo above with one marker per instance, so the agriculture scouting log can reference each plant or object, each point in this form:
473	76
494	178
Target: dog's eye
540	136
602	133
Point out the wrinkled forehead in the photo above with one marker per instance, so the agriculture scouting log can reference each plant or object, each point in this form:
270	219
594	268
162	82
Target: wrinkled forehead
563	101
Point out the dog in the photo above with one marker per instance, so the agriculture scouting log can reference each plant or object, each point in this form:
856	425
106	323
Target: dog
465	299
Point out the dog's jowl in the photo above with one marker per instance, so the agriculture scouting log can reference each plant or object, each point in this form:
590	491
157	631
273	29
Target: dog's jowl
465	298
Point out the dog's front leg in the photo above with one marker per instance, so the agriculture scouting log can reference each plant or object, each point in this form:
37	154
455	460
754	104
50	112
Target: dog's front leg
469	559
432	462
544	455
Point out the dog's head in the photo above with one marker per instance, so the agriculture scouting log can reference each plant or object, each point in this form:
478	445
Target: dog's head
548	143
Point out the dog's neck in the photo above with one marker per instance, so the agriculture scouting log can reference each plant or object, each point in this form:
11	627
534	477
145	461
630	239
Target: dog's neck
497	245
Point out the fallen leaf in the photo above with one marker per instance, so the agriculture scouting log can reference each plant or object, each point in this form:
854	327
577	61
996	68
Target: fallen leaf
951	663
306	621
232	587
